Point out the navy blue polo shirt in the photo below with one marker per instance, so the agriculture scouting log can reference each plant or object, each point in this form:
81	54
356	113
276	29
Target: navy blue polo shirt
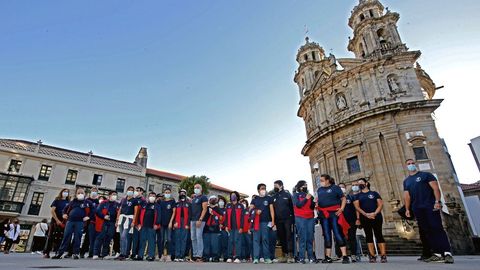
167	211
350	212
329	196
368	201
263	203
197	207
149	215
93	203
127	207
59	206
111	207
421	193
76	210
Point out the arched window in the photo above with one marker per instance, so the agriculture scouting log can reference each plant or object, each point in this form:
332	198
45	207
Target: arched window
313	56
317	74
361	50
381	35
371	13
362	17
305	56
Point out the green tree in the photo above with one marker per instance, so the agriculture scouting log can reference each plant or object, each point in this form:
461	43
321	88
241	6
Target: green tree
189	182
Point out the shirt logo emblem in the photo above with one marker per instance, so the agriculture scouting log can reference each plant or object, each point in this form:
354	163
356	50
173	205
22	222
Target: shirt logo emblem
348	201
329	190
418	179
370	196
265	203
169	207
196	200
129	204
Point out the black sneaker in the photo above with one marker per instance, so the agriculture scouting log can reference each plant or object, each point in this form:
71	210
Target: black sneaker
346	260
327	260
373	259
120	258
137	259
75	257
82	256
57	257
383	259
435	259
68	256
449	259
150	259
302	261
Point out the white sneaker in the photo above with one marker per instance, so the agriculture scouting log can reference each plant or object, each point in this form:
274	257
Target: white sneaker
33	252
168	258
262	260
237	261
95	257
176	260
39	252
229	260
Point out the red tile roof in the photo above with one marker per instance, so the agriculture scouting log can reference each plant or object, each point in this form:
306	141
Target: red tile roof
470	187
178	178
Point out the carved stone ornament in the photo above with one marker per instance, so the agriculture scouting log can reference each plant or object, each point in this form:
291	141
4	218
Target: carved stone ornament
381	69
341	102
345	82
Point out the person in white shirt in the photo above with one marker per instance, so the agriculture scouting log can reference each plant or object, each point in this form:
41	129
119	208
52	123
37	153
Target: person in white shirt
12	235
39	237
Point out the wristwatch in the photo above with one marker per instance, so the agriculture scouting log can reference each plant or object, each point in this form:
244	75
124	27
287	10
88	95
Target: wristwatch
438	202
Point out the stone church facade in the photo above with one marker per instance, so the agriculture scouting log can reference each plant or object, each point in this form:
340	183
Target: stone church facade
364	116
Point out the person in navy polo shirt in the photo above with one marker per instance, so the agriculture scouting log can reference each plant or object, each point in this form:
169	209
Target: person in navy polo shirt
369	204
126	222
264	221
57	224
422	196
199	211
304	206
76	212
149	222
247	234
181	224
353	219
140	201
234	227
223	241
331	204
90	233
211	232
105	221
164	235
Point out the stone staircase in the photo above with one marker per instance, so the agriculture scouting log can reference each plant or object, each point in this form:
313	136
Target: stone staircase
397	246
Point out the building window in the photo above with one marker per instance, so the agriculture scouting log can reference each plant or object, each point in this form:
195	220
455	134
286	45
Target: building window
165	186
305	56
97	179
45	172
420	153
15	166
151	188
353	165
362	17
371	13
71	177
35	204
313	56
120	187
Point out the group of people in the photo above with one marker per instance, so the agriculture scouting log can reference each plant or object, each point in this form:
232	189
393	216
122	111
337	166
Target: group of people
212	229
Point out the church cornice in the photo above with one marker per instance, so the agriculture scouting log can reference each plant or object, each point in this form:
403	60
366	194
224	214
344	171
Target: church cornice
399	106
322	84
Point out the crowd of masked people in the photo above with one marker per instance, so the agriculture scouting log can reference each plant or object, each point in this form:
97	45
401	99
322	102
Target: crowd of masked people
147	226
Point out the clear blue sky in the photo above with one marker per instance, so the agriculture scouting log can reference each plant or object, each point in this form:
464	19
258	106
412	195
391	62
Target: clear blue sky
207	85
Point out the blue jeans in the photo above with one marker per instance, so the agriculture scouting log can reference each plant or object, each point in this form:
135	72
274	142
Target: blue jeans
197	239
92	235
234	244
305	229
261	241
135	242
74	228
103	239
211	242
272	243
164	240
181	236
125	237
147	236
246	246
223	244
431	222
331	224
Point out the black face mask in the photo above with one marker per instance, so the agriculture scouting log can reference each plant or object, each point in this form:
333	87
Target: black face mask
362	186
276	189
182	197
304	189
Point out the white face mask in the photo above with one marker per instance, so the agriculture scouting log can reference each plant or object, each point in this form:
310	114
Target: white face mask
167	195
263	193
355	188
221	204
80	196
113	198
151	199
323	184
343	190
64	194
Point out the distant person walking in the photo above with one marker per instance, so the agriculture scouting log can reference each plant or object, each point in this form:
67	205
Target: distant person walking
12	235
39	236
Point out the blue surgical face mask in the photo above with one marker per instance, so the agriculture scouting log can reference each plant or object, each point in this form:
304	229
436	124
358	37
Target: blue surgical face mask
65	194
130	193
167	195
94	194
197	191
355	188
411	167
